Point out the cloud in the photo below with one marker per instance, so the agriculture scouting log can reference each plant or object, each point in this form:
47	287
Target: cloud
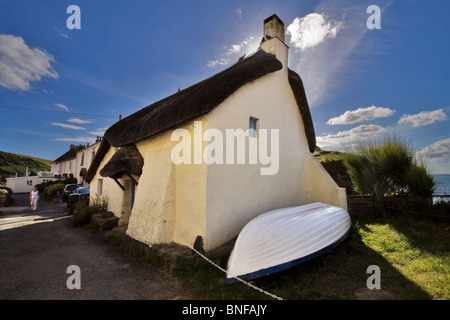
20	65
328	47
361	114
76	139
61	106
99	132
239	12
61	33
346	139
67	126
311	30
79	121
438	151
423	118
229	51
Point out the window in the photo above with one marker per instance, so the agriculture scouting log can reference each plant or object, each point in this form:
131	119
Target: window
100	187
253	127
82	159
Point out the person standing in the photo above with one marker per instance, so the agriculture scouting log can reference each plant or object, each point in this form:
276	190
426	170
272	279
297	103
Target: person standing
34	198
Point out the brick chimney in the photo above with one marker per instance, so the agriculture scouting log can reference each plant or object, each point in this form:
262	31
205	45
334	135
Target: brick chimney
273	39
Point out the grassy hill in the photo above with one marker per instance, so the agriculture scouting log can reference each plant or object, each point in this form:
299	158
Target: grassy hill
11	163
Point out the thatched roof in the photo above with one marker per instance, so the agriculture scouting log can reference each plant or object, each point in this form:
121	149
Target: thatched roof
126	159
191	102
197	100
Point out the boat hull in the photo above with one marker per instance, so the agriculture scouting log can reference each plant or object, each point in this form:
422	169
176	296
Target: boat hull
283	238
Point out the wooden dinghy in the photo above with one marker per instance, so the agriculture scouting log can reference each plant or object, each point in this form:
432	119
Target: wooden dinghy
282	238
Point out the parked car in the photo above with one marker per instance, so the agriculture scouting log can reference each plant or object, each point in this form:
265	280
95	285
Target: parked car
68	190
80	194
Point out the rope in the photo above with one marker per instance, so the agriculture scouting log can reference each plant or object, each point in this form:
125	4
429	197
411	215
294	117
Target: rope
219	267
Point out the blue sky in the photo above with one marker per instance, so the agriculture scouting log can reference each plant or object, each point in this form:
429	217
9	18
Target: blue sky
60	86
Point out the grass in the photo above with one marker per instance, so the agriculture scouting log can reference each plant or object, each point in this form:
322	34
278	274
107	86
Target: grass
413	257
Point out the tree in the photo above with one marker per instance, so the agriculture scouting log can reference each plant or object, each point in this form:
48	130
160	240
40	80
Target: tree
386	168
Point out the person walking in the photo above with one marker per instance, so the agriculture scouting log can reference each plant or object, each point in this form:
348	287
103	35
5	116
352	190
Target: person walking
34	198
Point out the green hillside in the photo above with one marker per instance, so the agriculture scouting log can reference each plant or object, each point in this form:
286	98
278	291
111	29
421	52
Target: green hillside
11	163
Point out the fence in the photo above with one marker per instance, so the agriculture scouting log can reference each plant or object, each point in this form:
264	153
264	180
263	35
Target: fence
404	204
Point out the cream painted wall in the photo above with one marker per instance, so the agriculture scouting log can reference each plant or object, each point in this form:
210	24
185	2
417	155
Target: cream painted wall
110	190
175	193
321	187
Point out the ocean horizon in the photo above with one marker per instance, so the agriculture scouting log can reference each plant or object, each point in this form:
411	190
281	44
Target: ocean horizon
442	184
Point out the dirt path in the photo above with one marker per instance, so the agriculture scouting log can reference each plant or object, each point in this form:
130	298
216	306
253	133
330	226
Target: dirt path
36	248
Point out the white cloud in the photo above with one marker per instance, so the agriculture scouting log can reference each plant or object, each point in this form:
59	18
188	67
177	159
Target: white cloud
61	106
61	33
423	118
311	30
20	65
99	132
76	139
346	139
79	121
229	51
361	114
438	151
67	126
239	12
320	66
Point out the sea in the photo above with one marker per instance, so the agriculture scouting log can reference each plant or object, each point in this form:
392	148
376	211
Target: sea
442	184
442	187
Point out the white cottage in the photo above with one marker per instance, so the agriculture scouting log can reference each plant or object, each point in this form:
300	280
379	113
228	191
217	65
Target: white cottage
149	167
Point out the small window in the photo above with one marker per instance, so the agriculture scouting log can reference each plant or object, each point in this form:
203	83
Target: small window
253	127
100	187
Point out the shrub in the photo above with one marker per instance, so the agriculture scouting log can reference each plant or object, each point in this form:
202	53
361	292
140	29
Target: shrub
54	190
388	167
83	212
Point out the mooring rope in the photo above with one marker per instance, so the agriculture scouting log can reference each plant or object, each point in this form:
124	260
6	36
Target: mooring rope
219	267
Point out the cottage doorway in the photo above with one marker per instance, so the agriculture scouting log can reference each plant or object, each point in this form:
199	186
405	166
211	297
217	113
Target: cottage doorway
127	200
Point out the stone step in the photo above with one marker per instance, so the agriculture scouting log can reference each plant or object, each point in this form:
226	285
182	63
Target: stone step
105	220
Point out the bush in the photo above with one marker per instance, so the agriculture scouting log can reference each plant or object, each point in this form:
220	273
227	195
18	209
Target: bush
54	190
387	168
83	212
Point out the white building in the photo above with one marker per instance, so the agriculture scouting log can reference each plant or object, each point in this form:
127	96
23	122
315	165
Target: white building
75	162
26	184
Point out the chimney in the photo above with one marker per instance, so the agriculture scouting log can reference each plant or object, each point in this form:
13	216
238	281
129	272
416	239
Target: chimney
273	39
72	146
99	139
273	28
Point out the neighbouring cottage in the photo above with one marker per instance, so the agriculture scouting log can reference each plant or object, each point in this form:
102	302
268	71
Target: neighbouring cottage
135	168
75	162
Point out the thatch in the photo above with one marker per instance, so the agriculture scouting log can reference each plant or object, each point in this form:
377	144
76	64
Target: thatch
300	96
191	102
126	160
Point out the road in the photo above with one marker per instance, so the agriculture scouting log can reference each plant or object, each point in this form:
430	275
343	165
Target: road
36	249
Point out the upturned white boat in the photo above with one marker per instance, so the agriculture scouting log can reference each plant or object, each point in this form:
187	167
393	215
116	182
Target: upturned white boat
282	238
